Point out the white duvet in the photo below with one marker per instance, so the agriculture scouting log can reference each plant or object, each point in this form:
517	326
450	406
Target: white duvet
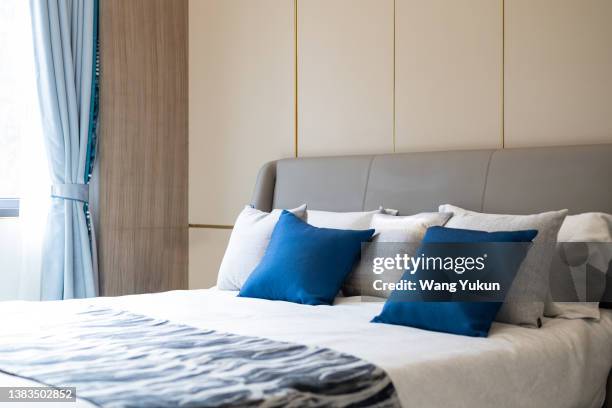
563	364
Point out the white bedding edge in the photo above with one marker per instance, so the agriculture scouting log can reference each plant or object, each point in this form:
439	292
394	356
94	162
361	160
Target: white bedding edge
563	364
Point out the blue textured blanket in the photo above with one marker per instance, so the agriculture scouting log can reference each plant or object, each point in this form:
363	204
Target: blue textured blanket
119	359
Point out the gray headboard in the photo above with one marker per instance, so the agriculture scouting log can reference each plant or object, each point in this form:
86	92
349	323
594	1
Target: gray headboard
518	181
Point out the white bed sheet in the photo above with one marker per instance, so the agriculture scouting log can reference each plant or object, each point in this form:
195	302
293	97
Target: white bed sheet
563	364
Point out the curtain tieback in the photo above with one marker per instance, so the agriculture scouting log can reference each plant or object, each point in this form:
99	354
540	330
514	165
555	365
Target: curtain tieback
76	192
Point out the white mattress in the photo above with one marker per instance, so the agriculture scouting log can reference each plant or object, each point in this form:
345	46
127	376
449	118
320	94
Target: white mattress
563	364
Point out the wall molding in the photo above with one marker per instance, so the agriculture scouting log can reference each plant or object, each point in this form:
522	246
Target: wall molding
503	74
211	226
394	77
295	51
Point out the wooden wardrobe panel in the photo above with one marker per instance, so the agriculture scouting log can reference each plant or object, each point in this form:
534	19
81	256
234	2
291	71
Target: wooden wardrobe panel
206	250
144	260
142	176
345	77
558	72
241	100
448	74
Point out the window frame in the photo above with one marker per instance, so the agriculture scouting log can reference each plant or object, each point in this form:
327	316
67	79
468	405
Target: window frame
9	207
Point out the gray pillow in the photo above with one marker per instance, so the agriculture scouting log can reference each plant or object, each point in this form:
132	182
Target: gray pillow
526	298
581	266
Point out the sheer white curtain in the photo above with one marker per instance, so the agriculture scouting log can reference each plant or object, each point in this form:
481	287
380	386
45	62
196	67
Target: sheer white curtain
35	204
25	166
34	174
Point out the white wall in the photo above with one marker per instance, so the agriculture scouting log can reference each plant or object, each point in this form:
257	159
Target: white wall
10	258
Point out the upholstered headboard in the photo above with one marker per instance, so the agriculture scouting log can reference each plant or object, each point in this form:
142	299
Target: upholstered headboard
518	181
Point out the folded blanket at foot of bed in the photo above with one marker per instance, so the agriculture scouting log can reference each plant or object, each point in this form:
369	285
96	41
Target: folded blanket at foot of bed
117	359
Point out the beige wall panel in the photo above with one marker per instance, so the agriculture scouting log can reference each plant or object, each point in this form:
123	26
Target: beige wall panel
558	72
241	100
448	74
345	77
206	249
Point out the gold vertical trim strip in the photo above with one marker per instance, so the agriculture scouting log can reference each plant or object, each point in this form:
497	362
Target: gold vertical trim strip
394	80
503	75
295	62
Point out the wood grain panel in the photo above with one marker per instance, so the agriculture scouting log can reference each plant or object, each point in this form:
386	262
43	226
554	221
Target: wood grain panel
241	100
144	260
558	72
142	208
206	250
448	74
345	77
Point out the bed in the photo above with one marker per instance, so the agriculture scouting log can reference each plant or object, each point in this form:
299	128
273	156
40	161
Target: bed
561	365
565	363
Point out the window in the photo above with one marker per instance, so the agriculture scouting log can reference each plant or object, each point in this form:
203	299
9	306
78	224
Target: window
18	103
9	207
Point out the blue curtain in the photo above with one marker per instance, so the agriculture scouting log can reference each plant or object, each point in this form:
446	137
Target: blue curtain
65	34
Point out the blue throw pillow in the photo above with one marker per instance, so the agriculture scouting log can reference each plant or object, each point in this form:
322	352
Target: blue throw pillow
304	264
469	316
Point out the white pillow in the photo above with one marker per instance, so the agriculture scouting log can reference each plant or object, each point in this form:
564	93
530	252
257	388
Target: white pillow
342	220
390	230
410	228
525	301
586	227
247	245
583	228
